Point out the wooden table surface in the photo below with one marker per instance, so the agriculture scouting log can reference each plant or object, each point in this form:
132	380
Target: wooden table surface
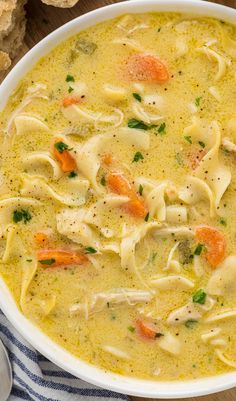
44	19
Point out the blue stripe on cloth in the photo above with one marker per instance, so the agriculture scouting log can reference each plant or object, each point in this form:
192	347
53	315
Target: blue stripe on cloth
19	393
55	373
98	393
33	382
31	391
59	386
23	348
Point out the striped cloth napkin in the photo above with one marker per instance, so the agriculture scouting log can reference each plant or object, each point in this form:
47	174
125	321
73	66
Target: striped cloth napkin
35	378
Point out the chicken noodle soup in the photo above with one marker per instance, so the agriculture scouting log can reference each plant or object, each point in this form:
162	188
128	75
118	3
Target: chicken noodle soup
117	204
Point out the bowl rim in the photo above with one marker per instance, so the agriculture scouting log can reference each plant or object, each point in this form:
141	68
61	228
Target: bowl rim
35	337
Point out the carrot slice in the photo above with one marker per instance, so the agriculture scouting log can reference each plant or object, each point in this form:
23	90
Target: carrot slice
64	157
57	257
146	68
121	186
70	100
215	243
107	159
40	238
145	330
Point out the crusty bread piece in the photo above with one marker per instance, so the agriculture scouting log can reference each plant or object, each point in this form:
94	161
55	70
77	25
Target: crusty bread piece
12	42
7	8
5	61
12	26
12	38
61	3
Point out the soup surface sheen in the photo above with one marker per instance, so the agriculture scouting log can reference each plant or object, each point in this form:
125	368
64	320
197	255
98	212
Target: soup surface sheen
117	206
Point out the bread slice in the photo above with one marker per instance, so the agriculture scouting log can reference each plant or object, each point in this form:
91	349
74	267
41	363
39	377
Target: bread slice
5	61
13	24
11	43
61	3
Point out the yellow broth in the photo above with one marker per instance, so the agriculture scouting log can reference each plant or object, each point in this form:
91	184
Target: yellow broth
201	87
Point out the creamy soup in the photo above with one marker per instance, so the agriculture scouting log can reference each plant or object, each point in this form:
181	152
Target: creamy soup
117	209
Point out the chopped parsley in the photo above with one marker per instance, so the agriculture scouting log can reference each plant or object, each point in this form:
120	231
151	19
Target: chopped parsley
48	262
61	146
153	257
158	335
70	89
70	78
188	139
131	329
138	124
197	101
90	249
161	129
137	97
146	217
223	222
199	297
202	144
140	189
21	215
179	159
190	323
159	29
72	174
198	249
138	156
29	260
103	180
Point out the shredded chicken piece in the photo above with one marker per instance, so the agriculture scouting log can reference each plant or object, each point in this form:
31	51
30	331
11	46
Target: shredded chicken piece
116	296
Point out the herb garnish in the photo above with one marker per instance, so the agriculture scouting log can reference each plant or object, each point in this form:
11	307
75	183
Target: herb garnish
146	217
138	156
137	97
61	146
199	297
138	124
161	129
197	101
158	335
103	180
70	89
140	189
70	78
188	139
48	262
21	215
198	249
223	222
179	159
190	323
153	257
131	329
90	249
72	174
202	144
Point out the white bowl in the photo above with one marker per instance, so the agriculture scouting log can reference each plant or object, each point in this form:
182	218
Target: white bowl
83	370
